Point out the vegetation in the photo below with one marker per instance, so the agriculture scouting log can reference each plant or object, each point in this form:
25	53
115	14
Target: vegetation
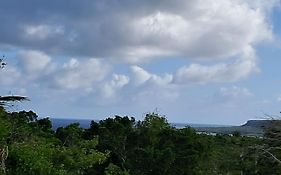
123	146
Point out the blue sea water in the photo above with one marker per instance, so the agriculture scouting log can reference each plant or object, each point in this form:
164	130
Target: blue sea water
56	122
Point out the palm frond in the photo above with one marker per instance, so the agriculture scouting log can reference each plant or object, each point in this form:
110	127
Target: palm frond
12	98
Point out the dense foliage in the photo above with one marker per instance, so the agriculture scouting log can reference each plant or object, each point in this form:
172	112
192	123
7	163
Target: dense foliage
123	146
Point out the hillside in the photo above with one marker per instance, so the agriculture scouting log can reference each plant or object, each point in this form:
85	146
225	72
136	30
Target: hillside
250	128
258	123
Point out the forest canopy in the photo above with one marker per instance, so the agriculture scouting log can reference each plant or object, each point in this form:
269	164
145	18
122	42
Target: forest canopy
120	145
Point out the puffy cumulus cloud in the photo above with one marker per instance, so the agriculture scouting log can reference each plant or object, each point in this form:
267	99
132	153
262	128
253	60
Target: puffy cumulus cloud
88	77
33	61
119	80
135	31
220	29
31	66
83	74
196	73
201	74
141	76
221	72
148	88
35	68
110	88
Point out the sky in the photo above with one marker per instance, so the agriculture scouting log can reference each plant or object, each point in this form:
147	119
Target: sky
194	61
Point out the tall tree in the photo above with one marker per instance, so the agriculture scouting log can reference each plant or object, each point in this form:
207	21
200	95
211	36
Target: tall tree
8	99
4	102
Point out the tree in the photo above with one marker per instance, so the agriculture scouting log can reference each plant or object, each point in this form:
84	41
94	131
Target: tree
270	151
4	102
113	134
2	62
7	100
236	133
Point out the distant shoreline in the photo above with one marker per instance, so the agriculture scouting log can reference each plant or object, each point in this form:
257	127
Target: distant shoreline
250	128
85	123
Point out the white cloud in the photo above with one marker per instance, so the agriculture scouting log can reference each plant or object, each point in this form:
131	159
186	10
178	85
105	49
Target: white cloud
196	73
118	81
35	68
214	29
42	32
141	76
81	74
222	72
34	62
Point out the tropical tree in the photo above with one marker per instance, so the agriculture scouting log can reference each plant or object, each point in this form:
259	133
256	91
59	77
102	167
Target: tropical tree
8	99
4	102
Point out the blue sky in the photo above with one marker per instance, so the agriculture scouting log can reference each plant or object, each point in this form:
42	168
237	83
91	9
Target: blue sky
196	61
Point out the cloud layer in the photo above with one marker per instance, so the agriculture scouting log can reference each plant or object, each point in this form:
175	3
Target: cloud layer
134	32
78	46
